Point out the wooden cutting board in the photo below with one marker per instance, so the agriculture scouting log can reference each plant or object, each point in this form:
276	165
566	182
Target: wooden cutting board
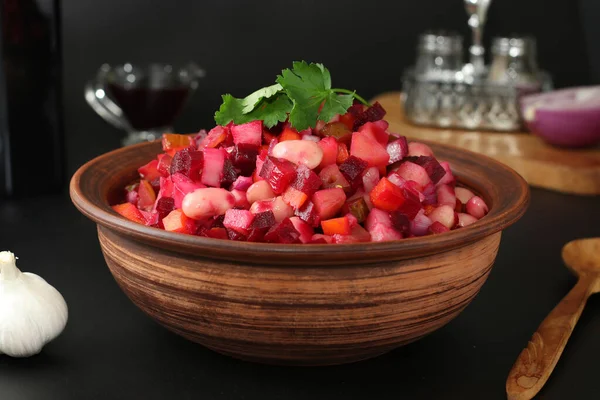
542	165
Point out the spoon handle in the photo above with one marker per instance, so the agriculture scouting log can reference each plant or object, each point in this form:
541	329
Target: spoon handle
536	362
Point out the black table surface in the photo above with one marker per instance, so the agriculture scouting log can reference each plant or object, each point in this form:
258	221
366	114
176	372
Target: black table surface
111	350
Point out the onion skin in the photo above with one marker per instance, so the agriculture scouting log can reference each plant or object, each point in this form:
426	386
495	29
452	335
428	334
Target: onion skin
561	120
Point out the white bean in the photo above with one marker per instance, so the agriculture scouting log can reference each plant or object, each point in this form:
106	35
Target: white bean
303	152
207	202
260	190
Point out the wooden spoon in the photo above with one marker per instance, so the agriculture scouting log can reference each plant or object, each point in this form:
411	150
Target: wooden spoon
536	362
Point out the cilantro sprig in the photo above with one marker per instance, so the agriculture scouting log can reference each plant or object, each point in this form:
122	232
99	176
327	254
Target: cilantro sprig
303	94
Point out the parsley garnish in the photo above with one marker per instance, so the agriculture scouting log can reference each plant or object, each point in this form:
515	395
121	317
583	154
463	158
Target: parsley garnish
304	92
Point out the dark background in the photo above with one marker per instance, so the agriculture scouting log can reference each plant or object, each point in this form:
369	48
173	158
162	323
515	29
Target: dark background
244	44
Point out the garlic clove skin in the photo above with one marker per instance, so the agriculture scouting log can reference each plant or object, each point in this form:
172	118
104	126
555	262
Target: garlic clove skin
32	312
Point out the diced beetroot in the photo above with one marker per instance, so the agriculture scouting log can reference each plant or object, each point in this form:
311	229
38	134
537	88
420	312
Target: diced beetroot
328	202
371	114
242	183
130	212
376	132
306	180
235	235
370	179
412	204
414	186
365	147
149	171
217	221
214	162
189	163
260	160
284	232
250	133
357	207
245	158
172	141
387	196
308	213
448	178
437	227
238	220
342	154
353	169
153	219
414	172
416	149
332	177
419	226
465	220
230	173
263	220
464	195
445	195
166	189
382	124
396	179
340	226
400	222
330	149
182	185
216	233
321	239
378	217
398	149
240	199
257	235
305	230
430	194
337	130
294	197
477	207
383	233
444	215
215	137
434	170
164	165
278	173
164	206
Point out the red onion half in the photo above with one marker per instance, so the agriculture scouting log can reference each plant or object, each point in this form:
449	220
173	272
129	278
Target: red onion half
567	117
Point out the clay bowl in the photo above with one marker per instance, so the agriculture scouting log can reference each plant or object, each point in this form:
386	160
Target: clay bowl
299	304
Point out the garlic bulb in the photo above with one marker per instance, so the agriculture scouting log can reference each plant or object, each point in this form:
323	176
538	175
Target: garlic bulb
32	313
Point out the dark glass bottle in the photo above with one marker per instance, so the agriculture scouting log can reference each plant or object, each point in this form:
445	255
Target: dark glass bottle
31	145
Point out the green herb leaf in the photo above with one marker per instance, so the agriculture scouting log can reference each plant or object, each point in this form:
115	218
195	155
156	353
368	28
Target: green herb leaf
231	109
271	111
335	104
252	100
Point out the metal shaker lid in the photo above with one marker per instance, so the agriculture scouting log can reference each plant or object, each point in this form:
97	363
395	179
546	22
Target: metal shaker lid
514	46
440	42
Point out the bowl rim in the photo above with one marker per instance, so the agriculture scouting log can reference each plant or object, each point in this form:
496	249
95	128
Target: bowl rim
89	198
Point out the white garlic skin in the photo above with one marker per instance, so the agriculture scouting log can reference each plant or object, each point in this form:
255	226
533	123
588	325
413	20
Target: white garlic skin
32	312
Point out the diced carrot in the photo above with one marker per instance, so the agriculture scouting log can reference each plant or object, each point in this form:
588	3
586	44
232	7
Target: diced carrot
340	226
164	165
149	171
342	154
177	221
294	198
146	194
428	209
173	140
387	196
289	134
130	212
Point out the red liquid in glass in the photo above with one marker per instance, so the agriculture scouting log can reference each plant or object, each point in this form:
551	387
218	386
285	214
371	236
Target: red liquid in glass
147	108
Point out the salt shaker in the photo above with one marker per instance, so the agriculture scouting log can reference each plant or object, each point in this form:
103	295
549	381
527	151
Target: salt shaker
514	62
439	53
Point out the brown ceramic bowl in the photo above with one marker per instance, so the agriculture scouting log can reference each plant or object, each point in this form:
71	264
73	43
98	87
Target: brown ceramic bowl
299	304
